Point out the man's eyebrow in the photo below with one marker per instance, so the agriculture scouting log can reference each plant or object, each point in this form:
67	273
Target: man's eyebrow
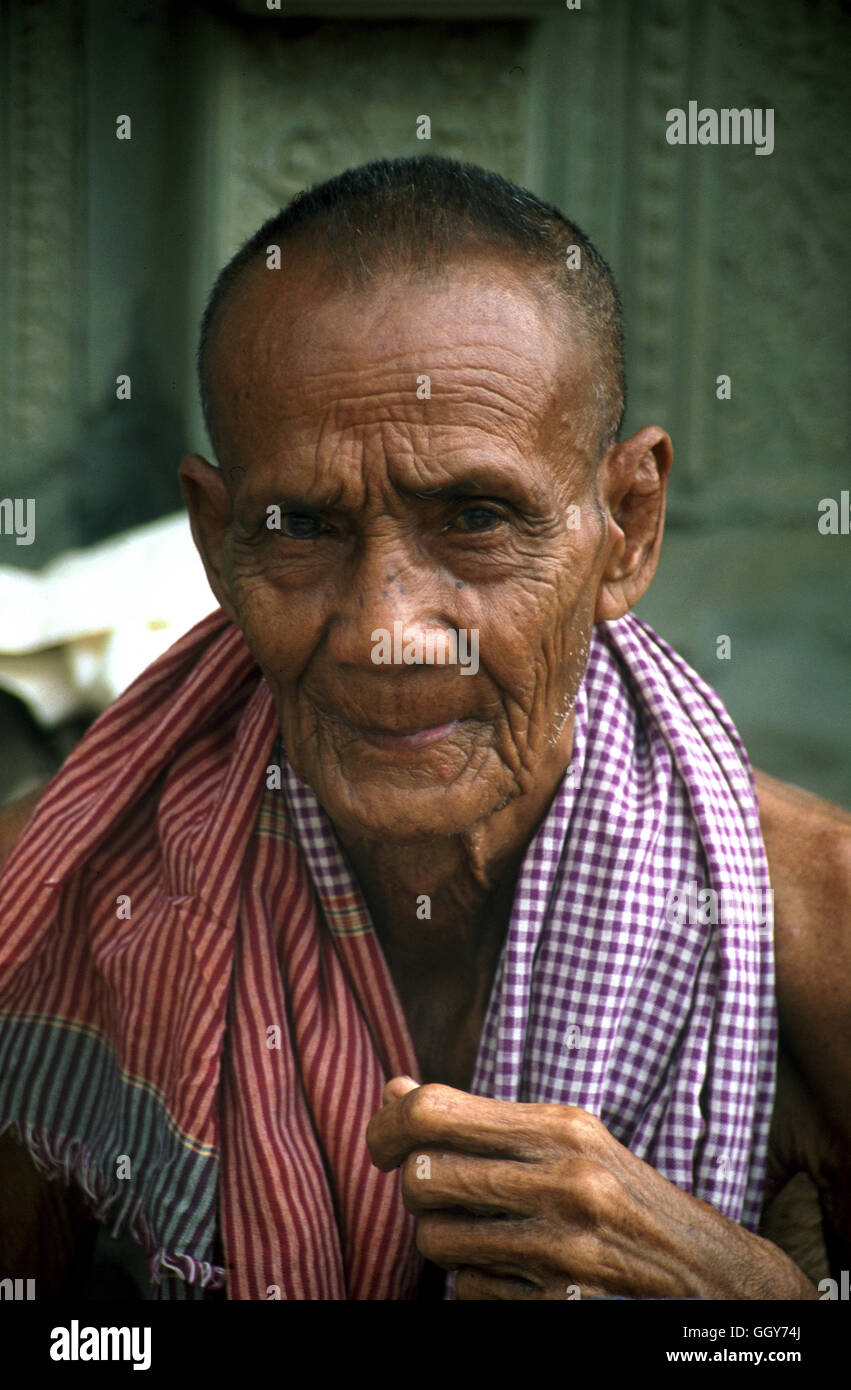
445	494
286	498
523	490
480	481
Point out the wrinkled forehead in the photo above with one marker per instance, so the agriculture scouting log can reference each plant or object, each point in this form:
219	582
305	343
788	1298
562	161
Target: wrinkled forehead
478	346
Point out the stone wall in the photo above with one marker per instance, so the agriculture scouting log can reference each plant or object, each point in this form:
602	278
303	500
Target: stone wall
729	263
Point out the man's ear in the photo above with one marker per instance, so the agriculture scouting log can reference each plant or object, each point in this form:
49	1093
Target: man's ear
632	479
210	510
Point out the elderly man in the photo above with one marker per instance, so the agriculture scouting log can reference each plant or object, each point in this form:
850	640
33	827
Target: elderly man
326	950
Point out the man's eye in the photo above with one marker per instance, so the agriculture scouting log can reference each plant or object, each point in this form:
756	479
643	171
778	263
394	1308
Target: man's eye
300	526
479	518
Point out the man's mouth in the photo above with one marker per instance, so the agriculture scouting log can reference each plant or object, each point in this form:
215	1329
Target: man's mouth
402	741
404	734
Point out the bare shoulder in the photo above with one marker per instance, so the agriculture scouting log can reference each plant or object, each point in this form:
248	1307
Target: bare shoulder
782	806
808	843
13	820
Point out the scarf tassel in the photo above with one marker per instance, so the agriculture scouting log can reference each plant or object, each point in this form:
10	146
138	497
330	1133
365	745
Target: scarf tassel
68	1157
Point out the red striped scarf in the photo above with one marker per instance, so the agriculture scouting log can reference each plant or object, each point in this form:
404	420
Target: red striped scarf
178	1032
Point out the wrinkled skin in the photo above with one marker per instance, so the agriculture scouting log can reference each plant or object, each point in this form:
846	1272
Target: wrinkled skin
318	405
578	1215
317	412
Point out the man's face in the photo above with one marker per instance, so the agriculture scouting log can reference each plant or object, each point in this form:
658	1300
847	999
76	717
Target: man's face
323	412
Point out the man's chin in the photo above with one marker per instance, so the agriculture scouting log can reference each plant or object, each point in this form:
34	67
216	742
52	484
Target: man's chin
396	816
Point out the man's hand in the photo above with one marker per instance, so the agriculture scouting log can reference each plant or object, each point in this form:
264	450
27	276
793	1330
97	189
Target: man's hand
540	1202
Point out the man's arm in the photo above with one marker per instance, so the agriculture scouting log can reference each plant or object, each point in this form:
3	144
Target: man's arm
808	843
525	1200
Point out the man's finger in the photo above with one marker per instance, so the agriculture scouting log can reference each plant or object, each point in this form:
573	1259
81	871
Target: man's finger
398	1087
452	1239
479	1285
442	1117
434	1179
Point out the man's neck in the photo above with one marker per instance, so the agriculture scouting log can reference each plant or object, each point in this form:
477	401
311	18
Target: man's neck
465	882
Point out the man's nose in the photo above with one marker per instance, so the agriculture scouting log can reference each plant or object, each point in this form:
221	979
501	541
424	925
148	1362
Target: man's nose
391	590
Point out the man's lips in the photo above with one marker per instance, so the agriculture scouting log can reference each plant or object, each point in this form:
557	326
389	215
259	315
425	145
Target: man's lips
401	742
405	737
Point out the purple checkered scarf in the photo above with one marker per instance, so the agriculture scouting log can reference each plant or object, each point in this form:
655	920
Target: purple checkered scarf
660	1022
